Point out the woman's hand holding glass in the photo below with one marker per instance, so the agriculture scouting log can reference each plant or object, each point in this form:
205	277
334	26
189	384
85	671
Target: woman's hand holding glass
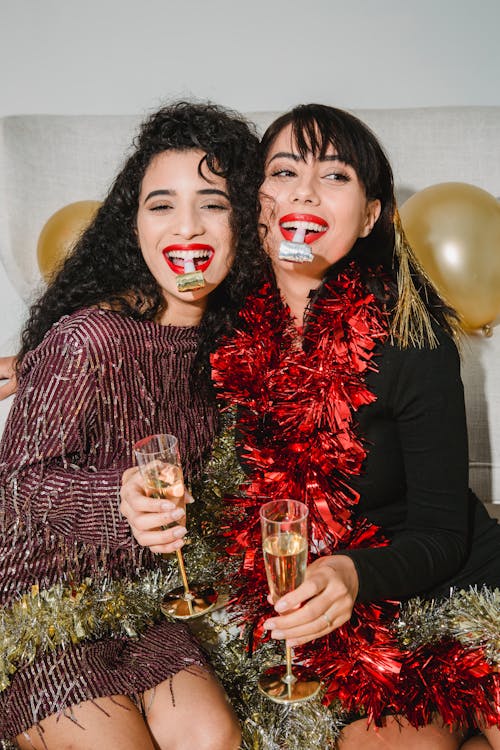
284	545
160	469
151	518
322	603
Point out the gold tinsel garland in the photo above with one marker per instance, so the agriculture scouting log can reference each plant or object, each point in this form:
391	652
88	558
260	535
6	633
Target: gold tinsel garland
43	620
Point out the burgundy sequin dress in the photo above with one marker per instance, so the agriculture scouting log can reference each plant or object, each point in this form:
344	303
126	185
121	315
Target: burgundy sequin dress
96	384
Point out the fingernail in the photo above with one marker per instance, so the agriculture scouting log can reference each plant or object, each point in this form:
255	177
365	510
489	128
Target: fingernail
166	505
281	606
178	544
269	625
177	513
277	634
177	533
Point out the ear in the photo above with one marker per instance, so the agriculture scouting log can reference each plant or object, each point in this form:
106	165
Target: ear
373	209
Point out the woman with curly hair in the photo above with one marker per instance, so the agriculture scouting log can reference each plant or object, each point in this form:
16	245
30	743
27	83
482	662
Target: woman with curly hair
114	350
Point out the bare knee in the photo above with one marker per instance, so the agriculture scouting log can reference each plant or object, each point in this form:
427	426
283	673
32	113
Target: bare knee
110	722
397	733
221	734
200	716
476	743
489	740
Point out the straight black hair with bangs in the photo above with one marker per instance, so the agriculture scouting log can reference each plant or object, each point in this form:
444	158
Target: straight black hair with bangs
316	127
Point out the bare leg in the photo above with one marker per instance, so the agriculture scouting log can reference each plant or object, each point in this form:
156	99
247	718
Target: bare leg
492	734
489	740
476	743
398	733
112	723
200	718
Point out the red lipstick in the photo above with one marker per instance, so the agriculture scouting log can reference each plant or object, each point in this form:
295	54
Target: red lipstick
201	255
315	226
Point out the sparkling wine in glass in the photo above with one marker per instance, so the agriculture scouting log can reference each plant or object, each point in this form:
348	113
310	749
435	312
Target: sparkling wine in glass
284	544
159	462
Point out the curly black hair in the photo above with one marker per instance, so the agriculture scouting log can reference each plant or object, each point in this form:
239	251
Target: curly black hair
314	128
106	266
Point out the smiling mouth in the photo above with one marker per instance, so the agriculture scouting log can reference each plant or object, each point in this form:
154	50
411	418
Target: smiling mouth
313	227
176	256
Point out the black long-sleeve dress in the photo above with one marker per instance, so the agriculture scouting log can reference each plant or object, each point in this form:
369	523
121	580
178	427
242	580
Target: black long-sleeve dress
414	483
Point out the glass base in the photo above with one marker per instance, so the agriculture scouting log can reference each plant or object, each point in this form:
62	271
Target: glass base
274	685
182	606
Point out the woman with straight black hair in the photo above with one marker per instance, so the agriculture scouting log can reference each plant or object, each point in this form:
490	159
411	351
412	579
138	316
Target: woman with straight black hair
346	378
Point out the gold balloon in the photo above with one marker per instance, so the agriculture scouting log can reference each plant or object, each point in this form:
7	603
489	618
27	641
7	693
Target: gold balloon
454	229
61	232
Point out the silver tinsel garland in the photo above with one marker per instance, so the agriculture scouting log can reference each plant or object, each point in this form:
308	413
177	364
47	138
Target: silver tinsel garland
471	617
42	620
265	725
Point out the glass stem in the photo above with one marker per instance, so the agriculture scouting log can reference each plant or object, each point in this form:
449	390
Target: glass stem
182	569
289	677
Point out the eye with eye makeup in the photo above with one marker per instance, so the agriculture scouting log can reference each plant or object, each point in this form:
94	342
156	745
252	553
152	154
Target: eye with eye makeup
216	207
337	176
284	172
160	207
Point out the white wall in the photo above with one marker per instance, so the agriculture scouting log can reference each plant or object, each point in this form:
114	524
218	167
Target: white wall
126	56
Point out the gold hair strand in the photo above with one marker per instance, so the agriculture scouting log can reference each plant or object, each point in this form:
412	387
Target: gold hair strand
412	321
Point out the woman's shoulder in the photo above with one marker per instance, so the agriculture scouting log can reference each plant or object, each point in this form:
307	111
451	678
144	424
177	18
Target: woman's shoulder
89	324
401	373
86	332
443	350
405	375
104	335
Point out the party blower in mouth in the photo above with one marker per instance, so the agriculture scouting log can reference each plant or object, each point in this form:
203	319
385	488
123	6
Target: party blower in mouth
189	262
306	229
191	278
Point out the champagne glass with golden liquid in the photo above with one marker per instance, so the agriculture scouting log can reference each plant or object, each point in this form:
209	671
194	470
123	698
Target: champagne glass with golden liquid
284	543
159	462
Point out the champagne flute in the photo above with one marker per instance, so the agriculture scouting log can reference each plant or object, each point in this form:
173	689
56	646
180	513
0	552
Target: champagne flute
159	462
284	543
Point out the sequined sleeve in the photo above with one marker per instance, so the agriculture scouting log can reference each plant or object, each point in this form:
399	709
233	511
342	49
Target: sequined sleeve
46	478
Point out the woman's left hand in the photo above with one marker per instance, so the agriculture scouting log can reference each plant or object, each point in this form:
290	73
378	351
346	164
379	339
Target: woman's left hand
319	605
154	521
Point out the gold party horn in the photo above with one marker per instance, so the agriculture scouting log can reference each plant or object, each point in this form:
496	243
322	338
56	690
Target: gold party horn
191	278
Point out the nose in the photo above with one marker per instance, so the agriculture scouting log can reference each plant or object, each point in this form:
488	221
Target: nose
304	190
188	223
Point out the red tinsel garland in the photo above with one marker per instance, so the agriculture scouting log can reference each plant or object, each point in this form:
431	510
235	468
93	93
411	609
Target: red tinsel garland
296	404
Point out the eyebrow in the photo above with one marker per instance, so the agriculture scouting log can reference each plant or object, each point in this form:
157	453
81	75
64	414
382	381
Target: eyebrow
298	157
204	191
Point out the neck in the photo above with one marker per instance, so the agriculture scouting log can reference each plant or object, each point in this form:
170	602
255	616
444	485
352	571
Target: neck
179	313
295	285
